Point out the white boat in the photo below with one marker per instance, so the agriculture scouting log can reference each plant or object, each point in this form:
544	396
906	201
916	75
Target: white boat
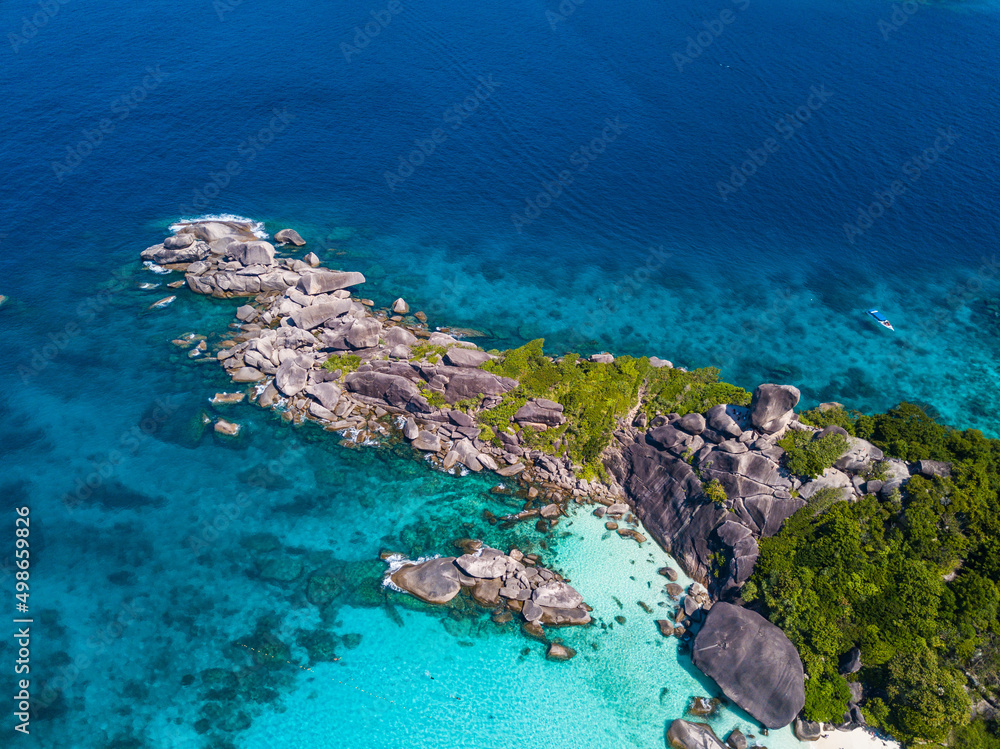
880	319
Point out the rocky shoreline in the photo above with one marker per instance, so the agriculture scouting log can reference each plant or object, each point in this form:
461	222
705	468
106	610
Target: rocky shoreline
707	486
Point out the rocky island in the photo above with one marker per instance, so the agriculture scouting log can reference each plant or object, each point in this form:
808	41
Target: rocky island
711	471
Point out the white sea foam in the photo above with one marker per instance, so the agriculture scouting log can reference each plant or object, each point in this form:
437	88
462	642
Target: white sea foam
257	227
150	265
395	562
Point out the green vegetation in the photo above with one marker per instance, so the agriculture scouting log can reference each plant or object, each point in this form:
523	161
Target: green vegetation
433	397
346	363
832	416
596	396
432	354
715	492
913	581
810	457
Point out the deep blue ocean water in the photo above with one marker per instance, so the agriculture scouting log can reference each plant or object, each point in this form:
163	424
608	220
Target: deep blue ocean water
645	178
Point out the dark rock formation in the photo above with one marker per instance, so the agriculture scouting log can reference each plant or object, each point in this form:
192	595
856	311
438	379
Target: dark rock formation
807	730
771	407
396	391
931	468
850	662
753	662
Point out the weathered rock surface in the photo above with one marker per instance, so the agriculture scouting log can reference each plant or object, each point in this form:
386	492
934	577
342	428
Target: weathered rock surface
683	734
322	281
488	563
394	390
459	356
556	595
771	407
289	236
753	662
433	581
807	730
540	411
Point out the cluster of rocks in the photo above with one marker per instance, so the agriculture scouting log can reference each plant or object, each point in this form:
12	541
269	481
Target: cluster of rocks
683	734
406	379
510	584
664	468
692	607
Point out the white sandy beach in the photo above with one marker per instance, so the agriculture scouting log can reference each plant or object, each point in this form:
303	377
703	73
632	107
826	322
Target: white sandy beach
857	739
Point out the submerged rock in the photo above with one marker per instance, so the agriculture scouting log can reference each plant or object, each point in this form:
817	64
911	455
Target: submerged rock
557	652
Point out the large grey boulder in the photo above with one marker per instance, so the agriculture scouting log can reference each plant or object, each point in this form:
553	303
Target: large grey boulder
395	390
252	253
753	662
163	255
831	478
719	419
556	595
433	581
327	393
322	281
468	383
178	241
291	377
771	407
315	315
210	231
399	337
486	563
459	356
691	423
931	468
364	333
806	730
289	236
540	411
684	734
